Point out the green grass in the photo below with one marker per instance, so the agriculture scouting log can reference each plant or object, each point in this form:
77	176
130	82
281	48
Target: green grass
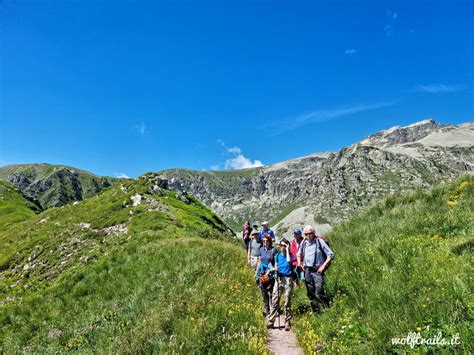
57	185
176	281
404	265
14	206
283	213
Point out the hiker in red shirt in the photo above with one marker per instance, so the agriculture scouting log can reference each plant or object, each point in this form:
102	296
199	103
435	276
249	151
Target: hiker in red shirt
294	247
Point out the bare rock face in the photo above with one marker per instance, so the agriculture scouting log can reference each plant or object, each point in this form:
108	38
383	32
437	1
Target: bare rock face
332	186
401	135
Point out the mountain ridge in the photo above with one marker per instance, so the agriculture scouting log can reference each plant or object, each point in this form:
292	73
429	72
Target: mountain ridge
335	185
54	185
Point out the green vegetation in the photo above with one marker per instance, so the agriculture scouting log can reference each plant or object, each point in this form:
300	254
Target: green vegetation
222	183
55	185
320	220
283	213
14	206
106	276
405	265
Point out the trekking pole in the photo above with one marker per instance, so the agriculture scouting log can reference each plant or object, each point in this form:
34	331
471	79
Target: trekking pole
278	306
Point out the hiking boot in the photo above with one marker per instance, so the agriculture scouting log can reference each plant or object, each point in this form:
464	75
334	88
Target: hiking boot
287	327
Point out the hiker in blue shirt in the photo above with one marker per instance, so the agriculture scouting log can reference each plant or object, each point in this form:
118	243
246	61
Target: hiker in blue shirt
267	230
266	266
283	284
317	256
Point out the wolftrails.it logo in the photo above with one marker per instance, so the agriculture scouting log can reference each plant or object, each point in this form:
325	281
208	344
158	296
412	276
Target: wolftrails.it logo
415	339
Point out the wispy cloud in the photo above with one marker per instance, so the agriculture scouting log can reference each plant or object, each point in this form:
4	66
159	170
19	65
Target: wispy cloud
393	15
140	128
438	88
235	150
392	18
322	115
388	30
237	161
351	51
122	176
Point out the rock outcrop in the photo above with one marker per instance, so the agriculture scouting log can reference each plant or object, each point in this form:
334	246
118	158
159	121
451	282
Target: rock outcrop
332	186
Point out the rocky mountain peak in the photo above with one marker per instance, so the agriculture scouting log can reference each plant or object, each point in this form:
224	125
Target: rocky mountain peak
332	186
400	135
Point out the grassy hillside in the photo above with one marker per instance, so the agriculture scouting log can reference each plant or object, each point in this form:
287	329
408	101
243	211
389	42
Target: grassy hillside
55	185
14	206
106	276
405	265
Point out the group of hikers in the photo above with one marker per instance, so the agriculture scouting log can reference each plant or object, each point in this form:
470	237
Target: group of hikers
306	258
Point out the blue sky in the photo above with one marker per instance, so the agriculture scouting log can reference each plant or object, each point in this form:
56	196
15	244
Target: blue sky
126	87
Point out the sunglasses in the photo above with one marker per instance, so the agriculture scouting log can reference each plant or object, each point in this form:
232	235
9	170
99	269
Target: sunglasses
310	233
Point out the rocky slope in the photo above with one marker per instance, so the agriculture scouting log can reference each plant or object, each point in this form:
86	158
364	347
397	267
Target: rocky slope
332	186
54	185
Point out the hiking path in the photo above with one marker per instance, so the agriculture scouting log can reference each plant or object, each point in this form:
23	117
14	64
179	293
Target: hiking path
281	342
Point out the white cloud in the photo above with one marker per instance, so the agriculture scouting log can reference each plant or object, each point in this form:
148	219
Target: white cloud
140	128
351	51
322	115
122	176
238	160
235	150
241	162
438	88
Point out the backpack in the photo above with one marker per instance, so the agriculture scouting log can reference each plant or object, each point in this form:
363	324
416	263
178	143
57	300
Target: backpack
322	250
264	277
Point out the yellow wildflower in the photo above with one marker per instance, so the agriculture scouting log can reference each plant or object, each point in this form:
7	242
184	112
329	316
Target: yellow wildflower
464	184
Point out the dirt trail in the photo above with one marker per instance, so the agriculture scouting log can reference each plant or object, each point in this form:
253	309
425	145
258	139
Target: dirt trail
281	341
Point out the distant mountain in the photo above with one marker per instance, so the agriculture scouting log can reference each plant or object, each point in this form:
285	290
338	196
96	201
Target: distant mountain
332	186
14	205
54	185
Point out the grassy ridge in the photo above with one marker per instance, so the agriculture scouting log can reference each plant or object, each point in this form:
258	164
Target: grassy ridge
55	185
403	266
174	280
14	206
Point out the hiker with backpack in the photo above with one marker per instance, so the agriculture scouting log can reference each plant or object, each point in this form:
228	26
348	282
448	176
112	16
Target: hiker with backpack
246	234
265	272
314	256
255	229
266	230
294	247
254	249
283	284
